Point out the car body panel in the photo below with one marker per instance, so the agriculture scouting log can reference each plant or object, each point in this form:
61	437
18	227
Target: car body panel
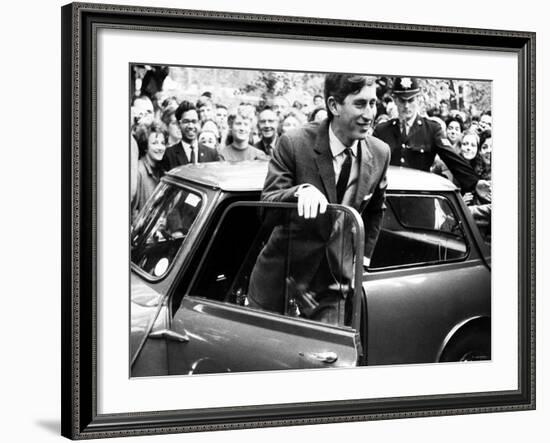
148	314
402	303
411	310
250	175
230	338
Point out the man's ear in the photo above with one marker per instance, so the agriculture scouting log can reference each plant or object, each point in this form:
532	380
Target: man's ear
332	105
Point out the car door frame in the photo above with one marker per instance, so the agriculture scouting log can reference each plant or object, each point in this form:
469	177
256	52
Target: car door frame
358	271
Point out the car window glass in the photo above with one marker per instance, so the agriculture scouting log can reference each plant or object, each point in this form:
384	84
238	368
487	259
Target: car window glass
162	226
418	229
273	260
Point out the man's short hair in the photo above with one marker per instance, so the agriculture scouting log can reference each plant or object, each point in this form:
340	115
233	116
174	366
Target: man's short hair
340	86
221	106
183	107
242	111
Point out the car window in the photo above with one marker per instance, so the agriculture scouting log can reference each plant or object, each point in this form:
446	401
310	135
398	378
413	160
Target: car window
273	260
162	226
419	229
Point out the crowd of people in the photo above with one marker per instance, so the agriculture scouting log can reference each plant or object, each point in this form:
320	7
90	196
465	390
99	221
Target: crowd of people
454	143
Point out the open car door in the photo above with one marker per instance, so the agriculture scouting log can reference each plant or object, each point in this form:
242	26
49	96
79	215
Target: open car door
272	291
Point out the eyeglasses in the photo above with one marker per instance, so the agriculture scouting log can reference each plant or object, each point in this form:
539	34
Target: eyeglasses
189	122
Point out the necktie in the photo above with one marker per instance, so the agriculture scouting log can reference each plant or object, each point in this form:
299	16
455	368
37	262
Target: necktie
342	183
404	129
192	154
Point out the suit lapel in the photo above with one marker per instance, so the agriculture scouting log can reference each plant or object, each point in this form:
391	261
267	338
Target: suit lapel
323	159
366	166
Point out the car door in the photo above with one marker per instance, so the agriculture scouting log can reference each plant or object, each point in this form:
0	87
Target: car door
226	332
426	279
161	238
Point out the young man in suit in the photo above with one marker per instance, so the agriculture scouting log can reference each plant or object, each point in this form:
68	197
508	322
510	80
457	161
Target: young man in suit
187	150
331	162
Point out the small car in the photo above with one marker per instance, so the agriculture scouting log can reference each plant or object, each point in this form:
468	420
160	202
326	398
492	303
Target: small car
425	296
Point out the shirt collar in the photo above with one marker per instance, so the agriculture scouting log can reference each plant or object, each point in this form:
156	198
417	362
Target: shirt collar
188	146
273	141
337	147
410	122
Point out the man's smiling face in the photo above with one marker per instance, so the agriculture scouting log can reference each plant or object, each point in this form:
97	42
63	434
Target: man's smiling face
189	124
354	116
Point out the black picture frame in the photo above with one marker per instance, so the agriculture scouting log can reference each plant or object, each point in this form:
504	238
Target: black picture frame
80	22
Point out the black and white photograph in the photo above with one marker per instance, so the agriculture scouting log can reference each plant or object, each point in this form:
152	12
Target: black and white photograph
286	220
247	221
276	220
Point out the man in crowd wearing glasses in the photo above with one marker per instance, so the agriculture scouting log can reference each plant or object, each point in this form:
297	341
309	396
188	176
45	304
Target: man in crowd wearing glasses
188	150
267	125
331	162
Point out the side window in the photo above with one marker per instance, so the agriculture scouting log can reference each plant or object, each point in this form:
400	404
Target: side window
419	229
270	259
160	230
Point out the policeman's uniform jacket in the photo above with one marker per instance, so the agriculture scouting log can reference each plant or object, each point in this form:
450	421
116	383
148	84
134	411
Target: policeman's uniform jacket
419	147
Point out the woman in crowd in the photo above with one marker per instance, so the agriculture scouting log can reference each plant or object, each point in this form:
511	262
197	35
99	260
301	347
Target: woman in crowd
240	127
208	138
455	127
151	140
290	122
469	146
479	202
211	126
481	205
483	161
318	114
172	126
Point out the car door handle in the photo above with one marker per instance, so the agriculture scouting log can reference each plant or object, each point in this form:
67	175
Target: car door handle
168	334
325	357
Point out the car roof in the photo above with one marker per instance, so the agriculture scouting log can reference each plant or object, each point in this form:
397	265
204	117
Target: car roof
250	176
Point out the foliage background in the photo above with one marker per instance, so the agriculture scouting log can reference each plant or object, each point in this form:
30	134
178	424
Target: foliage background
234	86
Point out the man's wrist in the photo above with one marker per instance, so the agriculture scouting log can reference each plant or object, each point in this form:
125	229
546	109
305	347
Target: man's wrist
300	187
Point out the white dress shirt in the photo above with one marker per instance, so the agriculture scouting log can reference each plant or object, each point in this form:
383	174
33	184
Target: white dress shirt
338	149
187	150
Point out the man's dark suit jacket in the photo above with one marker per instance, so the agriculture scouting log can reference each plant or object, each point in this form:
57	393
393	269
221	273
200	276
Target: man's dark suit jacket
419	147
304	156
175	156
262	147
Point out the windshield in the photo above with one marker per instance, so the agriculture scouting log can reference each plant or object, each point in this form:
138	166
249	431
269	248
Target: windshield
162	226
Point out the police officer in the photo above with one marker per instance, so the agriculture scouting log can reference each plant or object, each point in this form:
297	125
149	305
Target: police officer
415	140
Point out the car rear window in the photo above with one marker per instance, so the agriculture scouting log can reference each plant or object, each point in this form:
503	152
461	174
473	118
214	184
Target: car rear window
419	229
